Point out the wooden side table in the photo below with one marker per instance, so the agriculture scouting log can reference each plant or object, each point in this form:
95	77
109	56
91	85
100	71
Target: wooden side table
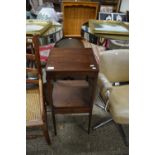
71	96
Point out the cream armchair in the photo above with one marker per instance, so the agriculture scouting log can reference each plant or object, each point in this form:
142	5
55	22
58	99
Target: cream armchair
113	85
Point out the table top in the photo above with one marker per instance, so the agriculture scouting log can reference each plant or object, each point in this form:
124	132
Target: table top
69	60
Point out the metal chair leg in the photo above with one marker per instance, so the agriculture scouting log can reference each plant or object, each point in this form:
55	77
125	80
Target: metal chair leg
119	127
103	107
102	124
99	105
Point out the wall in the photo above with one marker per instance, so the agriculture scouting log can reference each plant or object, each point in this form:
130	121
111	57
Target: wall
124	6
40	2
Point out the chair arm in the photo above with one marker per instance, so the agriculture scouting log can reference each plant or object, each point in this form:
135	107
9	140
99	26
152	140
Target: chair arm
105	88
104	83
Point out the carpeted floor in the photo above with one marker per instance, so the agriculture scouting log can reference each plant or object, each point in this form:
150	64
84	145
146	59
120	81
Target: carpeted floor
72	137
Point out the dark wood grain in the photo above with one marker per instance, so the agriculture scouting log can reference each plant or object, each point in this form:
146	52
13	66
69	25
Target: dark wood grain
72	60
71	96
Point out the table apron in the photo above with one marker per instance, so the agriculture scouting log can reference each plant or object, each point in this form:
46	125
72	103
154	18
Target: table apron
71	74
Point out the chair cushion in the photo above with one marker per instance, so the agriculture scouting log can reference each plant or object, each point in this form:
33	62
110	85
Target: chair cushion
119	104
33	108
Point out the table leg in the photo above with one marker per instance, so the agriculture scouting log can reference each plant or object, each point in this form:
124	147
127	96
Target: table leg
89	124
92	83
50	89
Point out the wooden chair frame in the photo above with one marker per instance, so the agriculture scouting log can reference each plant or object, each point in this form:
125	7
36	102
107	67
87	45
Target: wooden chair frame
33	58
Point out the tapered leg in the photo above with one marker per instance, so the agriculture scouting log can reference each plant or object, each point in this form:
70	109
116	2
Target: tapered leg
89	124
50	89
54	123
45	130
92	91
45	93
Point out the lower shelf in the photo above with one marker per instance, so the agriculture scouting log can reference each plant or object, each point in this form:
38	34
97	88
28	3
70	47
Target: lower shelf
72	94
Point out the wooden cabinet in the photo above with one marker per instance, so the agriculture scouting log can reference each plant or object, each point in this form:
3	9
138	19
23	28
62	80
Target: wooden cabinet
115	3
75	14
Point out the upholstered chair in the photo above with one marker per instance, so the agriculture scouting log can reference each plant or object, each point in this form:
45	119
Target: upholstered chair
113	83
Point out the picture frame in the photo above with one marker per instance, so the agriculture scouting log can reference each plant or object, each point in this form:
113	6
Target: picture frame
106	8
119	17
105	16
37	27
109	27
122	17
